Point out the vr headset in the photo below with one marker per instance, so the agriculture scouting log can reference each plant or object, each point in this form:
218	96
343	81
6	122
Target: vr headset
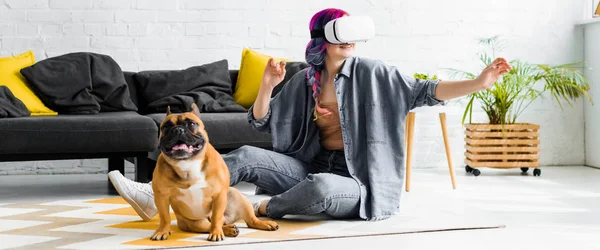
347	29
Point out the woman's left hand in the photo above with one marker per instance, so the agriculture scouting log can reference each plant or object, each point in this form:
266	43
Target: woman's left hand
492	72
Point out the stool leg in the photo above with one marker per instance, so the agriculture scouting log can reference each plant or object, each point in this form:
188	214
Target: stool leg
410	126
447	145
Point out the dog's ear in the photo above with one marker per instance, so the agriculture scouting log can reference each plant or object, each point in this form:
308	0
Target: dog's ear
168	109
195	110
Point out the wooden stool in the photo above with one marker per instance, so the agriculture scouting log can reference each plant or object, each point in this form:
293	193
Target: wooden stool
410	126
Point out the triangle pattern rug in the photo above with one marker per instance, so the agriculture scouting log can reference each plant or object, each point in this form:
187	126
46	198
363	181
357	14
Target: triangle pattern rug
110	223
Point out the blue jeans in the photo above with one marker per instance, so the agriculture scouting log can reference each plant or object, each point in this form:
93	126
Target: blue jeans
298	188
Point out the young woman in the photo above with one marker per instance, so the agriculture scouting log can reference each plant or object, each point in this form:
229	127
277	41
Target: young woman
337	129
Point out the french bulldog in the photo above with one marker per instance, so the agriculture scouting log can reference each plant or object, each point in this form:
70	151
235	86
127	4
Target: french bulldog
192	178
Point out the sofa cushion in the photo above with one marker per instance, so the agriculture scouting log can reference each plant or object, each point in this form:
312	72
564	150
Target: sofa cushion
11	77
207	85
228	130
10	106
105	132
250	76
233	75
133	89
80	83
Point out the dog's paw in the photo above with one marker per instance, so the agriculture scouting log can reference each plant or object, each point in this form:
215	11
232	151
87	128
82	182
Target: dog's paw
231	230
271	225
160	234
216	235
267	225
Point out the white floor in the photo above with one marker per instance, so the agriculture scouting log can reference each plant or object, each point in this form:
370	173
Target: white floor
558	210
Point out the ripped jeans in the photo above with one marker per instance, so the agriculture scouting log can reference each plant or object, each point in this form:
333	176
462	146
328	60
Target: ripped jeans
298	188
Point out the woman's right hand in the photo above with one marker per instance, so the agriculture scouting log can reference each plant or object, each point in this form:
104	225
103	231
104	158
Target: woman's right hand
274	73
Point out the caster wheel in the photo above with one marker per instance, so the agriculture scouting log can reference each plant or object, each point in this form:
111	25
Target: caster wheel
524	170
476	172
537	172
468	169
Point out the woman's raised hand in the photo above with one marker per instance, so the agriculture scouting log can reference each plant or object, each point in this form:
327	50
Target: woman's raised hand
274	73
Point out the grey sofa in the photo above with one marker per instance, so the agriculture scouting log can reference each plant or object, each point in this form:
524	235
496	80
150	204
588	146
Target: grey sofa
227	131
119	136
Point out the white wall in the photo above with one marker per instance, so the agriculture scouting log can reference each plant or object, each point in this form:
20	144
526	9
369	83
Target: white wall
422	36
592	112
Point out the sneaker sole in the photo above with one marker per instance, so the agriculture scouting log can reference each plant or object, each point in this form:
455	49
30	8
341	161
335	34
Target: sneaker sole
117	184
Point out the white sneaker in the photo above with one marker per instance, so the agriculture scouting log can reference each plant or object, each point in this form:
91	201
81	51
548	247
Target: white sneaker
139	195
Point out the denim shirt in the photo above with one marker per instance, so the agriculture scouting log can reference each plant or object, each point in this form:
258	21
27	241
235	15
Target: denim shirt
373	101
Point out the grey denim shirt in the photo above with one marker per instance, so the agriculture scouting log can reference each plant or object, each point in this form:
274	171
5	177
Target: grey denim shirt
373	100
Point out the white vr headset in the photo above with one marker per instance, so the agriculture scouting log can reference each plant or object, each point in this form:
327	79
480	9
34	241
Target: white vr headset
347	29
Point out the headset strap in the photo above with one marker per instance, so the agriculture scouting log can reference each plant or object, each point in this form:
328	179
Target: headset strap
317	33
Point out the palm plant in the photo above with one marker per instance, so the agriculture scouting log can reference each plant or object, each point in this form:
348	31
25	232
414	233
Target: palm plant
514	91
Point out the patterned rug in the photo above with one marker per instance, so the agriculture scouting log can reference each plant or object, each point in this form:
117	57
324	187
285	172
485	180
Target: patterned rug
110	223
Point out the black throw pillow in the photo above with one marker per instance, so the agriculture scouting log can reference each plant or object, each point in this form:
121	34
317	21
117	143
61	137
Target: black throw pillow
80	83
10	106
208	86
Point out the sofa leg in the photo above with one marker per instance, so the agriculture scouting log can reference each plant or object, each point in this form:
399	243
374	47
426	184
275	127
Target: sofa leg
143	168
115	163
151	166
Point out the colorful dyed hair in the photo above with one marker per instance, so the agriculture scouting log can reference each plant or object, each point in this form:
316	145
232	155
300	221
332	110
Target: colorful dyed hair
316	49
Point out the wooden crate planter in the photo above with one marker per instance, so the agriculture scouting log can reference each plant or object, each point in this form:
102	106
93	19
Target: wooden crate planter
502	146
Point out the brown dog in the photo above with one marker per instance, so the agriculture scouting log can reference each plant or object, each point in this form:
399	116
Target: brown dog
192	178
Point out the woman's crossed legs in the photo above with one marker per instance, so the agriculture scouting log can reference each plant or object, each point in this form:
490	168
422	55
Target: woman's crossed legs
297	187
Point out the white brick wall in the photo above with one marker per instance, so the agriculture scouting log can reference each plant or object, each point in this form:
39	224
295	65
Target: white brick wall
424	36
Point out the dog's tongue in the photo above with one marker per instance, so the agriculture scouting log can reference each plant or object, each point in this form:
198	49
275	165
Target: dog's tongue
183	147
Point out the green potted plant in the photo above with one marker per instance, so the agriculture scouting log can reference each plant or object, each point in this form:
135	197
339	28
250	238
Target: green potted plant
503	142
425	76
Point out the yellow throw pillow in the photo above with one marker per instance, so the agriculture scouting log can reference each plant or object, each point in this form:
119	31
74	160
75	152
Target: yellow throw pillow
250	76
10	76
